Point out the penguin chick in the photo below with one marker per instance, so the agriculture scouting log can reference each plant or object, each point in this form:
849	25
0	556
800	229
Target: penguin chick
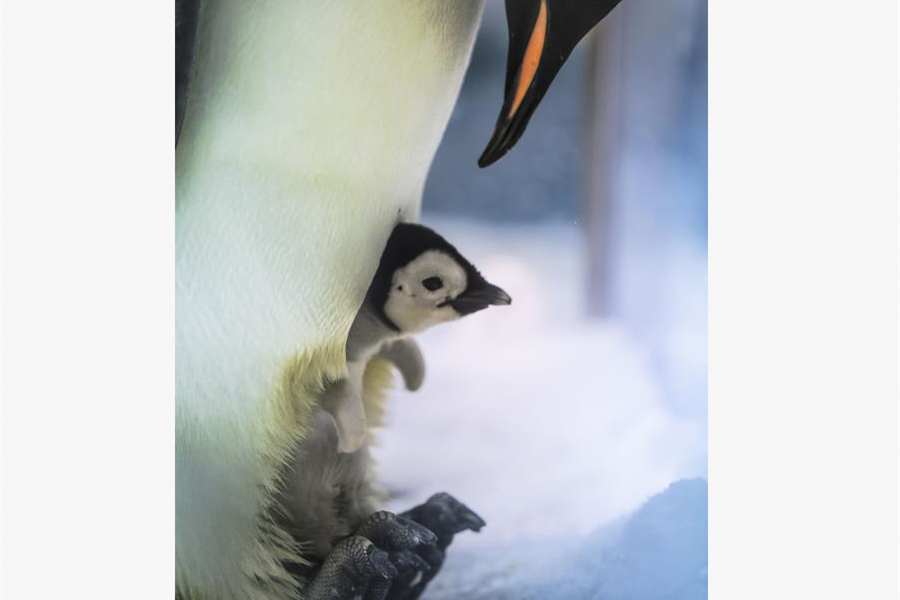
421	281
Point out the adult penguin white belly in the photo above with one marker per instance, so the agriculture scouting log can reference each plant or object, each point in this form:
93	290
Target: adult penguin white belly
308	134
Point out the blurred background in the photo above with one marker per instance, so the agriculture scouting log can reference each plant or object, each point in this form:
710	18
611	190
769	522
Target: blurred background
575	420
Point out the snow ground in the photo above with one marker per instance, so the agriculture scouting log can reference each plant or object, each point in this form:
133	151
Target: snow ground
657	553
546	424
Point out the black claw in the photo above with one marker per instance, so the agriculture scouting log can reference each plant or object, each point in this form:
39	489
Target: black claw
380	563
410	583
407	560
418	533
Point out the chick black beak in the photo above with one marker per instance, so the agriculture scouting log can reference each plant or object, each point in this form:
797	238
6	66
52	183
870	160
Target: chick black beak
482	296
542	35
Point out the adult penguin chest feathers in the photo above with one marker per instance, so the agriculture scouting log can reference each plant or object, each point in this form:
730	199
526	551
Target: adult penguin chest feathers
308	134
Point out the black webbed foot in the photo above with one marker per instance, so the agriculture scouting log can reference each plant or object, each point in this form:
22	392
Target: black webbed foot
363	565
347	572
445	516
393	556
401	537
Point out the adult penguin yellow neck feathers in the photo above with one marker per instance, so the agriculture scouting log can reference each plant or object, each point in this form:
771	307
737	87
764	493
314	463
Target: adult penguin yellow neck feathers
308	132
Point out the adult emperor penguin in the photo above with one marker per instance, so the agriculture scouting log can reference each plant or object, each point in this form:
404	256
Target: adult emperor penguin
305	129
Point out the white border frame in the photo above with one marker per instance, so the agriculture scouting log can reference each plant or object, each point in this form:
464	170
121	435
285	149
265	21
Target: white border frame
803	300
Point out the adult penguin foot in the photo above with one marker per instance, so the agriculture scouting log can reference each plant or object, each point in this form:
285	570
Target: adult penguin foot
363	565
347	573
445	516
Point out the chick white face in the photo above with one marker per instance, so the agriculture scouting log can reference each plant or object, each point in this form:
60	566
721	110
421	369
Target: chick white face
420	292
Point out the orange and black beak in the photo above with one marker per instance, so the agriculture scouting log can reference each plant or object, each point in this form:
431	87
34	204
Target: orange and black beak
542	35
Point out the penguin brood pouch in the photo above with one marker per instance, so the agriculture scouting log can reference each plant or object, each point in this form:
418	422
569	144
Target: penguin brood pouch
329	496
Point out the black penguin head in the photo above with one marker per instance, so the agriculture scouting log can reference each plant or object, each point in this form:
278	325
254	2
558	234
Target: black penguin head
422	280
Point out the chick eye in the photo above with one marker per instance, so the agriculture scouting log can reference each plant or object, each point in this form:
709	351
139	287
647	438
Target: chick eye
432	283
